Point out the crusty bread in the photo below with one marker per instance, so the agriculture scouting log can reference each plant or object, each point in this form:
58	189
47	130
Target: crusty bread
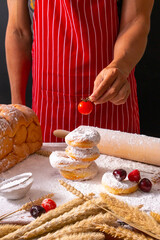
20	134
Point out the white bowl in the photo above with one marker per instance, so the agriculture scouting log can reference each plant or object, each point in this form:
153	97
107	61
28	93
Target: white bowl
17	186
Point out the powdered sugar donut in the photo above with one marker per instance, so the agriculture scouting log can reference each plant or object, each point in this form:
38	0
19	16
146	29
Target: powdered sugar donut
60	160
83	154
83	137
81	174
114	186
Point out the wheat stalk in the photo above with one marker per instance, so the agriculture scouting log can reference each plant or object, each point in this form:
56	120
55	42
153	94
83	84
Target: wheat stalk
132	216
8	228
85	225
123	217
156	216
28	205
46	217
86	209
82	236
74	190
81	195
123	233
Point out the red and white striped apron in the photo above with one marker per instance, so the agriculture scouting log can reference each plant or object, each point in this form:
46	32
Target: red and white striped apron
73	41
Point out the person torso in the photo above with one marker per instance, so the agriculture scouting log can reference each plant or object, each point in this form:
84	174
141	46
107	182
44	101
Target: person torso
73	42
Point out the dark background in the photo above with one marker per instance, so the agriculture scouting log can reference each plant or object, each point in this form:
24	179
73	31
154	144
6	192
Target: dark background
147	74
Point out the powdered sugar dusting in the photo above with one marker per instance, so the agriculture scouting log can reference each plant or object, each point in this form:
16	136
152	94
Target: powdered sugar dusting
46	181
82	153
83	133
3	126
9	110
60	160
109	180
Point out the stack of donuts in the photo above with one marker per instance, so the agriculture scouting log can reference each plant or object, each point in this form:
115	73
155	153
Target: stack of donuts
77	161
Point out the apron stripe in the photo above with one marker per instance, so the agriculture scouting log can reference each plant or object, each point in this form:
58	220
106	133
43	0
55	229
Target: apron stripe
116	107
38	58
58	65
70	51
101	34
107	47
76	62
52	78
95	37
48	42
42	42
89	56
112	42
82	46
64	52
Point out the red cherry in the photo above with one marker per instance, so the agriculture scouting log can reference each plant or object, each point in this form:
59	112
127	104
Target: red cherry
145	185
120	174
48	204
134	176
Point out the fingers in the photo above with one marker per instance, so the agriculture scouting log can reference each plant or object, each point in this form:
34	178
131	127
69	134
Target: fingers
117	94
110	85
102	83
122	96
112	92
97	82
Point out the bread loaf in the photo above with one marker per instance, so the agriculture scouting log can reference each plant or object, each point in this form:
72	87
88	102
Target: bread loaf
20	134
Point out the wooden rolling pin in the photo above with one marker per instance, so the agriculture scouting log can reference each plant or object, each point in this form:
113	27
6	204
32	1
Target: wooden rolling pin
60	133
131	146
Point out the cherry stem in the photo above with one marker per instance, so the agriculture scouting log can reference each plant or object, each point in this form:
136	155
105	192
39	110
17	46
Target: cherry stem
86	99
31	201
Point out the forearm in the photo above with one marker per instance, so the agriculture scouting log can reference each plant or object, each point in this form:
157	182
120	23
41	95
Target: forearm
130	45
112	84
18	56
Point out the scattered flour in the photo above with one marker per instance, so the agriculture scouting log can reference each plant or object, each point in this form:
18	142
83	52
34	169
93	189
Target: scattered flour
46	181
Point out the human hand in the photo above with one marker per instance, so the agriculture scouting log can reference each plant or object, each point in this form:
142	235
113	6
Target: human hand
112	85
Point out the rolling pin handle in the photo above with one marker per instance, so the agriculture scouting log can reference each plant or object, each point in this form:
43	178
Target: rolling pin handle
60	133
